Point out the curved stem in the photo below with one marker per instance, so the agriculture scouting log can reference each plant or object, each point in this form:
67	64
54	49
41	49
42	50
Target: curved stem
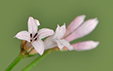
36	61
17	60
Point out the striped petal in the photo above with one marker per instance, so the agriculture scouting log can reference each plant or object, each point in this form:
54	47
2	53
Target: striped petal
49	43
86	28
86	45
75	24
60	31
23	35
45	32
66	44
59	44
37	22
32	26
62	43
39	46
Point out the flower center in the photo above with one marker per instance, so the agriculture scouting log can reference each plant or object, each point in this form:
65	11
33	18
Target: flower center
33	38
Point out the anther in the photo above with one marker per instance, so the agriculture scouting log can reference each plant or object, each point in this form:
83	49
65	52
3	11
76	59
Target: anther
35	39
30	35
35	35
31	40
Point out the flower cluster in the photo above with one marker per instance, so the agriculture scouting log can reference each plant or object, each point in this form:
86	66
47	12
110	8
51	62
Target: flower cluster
61	37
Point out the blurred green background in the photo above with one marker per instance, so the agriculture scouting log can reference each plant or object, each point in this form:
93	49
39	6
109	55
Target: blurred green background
14	16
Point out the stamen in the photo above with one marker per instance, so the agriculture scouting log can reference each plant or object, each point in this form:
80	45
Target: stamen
35	35
31	40
30	35
35	39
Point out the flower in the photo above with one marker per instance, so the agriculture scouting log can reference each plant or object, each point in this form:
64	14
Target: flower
56	39
34	37
77	29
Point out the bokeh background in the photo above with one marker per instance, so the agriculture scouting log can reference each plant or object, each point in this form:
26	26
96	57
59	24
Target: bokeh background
14	16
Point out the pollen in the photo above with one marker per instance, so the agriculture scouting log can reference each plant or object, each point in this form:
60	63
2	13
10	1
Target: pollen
35	39
35	35
30	35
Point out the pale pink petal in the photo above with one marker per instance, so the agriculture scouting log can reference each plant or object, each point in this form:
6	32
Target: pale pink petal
59	44
39	46
37	22
87	45
23	35
66	44
75	24
49	43
45	32
86	28
60	31
32	26
57	31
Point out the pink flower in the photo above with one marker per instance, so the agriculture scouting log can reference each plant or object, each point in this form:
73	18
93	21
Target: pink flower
77	29
33	36
56	39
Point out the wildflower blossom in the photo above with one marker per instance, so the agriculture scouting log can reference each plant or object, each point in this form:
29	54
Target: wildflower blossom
34	37
56	39
77	29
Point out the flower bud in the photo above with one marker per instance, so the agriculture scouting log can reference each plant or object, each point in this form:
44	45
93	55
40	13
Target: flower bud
27	48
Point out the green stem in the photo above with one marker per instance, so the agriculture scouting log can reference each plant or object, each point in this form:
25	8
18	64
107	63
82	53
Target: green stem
17	60
36	61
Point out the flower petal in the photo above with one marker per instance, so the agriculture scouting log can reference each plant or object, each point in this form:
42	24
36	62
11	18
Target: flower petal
45	32
87	45
32	26
86	28
23	35
57	31
75	24
59	44
60	31
49	43
37	22
39	46
62	43
66	44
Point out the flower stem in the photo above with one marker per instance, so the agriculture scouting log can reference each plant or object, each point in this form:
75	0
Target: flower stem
36	61
17	60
